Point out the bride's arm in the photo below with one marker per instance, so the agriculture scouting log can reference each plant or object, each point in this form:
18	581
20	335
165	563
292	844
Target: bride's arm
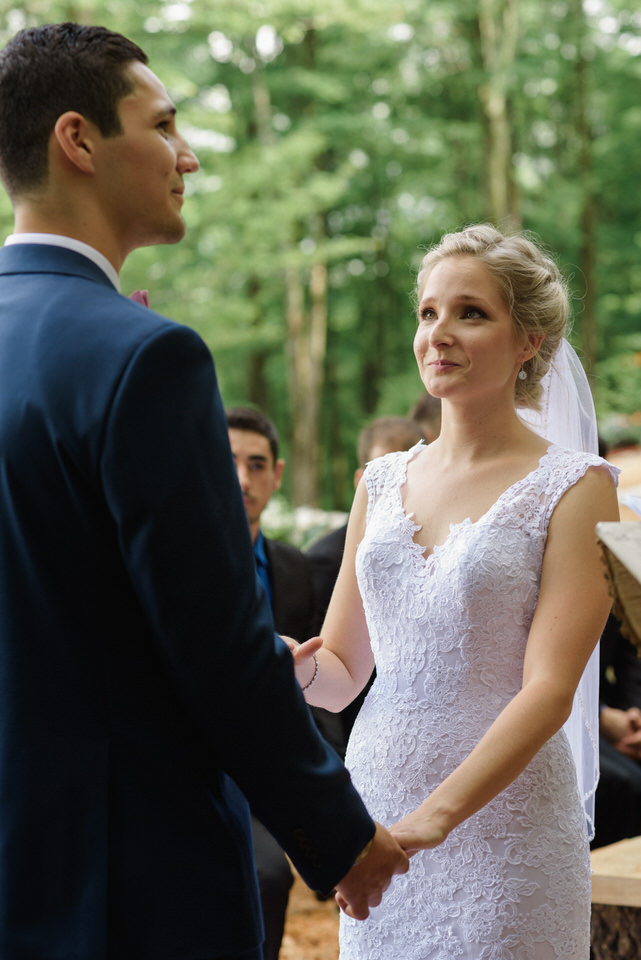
570	615
345	661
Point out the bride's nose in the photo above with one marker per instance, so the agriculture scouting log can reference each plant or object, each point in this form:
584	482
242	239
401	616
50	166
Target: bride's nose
441	331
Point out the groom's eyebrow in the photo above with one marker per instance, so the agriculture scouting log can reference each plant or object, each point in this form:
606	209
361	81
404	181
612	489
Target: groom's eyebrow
166	109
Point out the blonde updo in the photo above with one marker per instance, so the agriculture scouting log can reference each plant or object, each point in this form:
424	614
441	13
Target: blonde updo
532	286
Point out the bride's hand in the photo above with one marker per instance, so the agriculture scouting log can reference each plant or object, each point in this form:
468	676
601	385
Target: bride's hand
303	651
418	831
302	654
290	642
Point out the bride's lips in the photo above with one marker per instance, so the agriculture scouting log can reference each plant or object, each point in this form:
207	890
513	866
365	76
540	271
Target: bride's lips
442	364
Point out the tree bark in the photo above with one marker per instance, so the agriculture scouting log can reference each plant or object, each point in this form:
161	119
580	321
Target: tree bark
616	932
307	329
258	391
498	31
307	341
588	200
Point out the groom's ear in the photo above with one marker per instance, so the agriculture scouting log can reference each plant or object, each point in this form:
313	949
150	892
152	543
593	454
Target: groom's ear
74	139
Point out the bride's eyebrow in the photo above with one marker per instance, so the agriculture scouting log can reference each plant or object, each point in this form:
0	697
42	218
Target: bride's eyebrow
465	299
472	298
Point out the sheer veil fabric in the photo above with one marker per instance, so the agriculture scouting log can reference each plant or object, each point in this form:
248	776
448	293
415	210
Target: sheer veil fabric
567	417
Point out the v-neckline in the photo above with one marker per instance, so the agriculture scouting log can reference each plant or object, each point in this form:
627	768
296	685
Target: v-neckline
412	527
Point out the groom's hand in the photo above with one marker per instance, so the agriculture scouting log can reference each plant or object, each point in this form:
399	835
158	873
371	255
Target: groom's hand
364	885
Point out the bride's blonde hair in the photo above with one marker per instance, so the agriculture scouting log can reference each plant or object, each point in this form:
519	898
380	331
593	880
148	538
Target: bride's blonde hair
533	288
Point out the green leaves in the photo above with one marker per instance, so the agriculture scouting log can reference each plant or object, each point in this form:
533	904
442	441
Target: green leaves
347	136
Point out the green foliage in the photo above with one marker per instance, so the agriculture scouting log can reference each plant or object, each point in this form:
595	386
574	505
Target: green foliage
300	526
350	134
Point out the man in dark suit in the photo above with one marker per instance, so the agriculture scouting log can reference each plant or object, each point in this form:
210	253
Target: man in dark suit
282	568
143	694
286	573
287	577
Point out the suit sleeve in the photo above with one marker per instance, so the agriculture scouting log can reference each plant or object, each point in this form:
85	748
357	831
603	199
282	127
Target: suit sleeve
172	489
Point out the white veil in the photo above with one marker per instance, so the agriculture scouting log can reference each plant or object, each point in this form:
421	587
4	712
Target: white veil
567	418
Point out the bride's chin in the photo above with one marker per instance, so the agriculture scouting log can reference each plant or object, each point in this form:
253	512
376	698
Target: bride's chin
434	389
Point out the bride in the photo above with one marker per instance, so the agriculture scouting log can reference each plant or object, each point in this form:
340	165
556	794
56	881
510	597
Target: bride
471	580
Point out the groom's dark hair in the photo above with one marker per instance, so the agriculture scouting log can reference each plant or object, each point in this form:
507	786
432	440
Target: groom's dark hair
46	71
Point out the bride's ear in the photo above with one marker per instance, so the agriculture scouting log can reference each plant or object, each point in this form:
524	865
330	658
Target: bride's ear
533	345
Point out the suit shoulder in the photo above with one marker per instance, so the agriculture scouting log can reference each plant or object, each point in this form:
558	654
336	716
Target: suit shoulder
289	565
120	329
329	546
279	549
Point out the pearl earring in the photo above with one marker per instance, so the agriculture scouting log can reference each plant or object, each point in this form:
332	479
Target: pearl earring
522	374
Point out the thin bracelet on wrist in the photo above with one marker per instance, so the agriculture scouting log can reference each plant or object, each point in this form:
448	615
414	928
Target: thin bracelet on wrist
314	678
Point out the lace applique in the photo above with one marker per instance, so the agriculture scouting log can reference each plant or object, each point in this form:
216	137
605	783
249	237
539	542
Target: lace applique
448	633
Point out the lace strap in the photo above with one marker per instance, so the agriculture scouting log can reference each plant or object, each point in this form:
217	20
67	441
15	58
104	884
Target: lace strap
387	473
565	468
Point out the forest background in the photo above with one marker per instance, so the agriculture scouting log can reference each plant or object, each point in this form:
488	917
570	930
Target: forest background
338	139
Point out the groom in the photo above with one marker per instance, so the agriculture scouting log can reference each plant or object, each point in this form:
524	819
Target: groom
143	694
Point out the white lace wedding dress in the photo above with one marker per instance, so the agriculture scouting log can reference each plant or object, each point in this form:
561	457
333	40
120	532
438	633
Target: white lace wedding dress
448	632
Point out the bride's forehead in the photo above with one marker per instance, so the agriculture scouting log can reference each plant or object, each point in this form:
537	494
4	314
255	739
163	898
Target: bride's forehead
457	275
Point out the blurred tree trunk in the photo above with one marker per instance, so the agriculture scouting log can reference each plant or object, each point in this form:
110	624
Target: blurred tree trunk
307	329
498	22
307	332
258	390
587	261
374	340
336	478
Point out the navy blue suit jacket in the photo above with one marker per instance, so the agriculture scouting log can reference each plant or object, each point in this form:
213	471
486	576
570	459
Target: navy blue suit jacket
141	685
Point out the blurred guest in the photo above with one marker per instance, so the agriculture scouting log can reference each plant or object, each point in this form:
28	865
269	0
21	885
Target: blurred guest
286	575
618	795
427	412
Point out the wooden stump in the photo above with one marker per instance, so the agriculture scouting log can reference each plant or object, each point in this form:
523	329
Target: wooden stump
620	545
616	901
616	932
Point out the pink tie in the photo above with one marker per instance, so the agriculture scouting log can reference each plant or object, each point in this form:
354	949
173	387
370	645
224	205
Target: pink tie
140	296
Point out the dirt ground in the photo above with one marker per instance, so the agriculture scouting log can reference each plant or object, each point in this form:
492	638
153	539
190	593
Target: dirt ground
311	926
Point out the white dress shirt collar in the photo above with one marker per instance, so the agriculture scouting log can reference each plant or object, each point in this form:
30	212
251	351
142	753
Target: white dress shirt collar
70	243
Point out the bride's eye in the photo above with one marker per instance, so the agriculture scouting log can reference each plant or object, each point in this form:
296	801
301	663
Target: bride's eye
474	313
426	313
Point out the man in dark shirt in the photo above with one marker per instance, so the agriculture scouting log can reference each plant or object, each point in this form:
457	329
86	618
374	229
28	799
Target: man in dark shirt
287	577
618	795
